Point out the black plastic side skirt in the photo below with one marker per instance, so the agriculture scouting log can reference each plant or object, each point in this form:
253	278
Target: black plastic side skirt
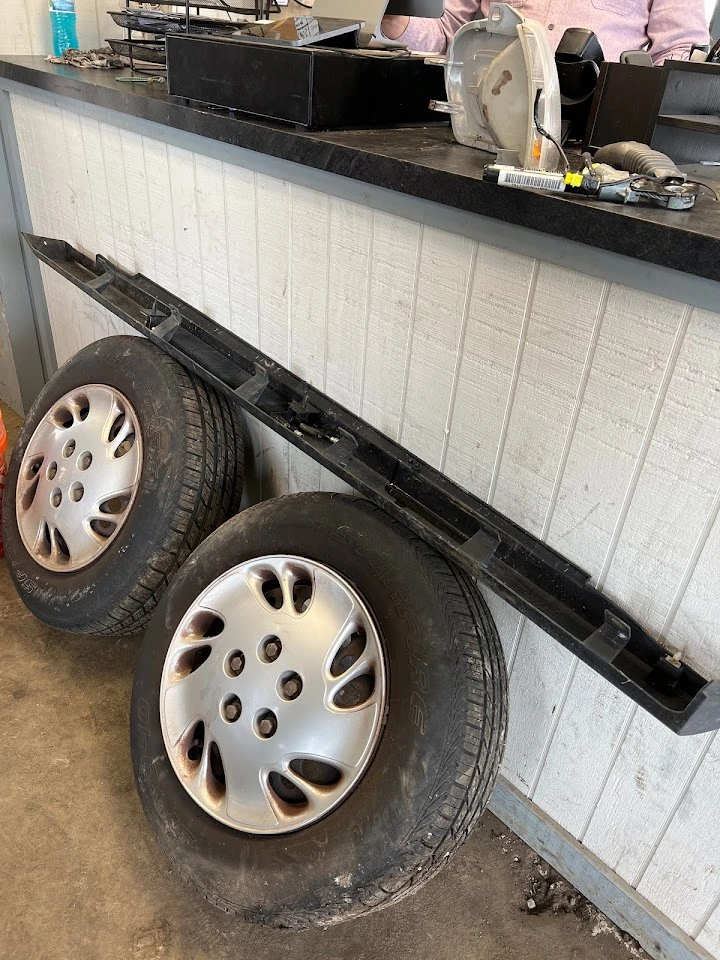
540	583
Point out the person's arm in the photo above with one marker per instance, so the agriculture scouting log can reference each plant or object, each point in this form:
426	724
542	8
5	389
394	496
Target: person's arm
428	35
675	28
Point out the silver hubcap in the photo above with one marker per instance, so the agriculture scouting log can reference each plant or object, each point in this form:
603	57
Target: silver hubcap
273	694
78	478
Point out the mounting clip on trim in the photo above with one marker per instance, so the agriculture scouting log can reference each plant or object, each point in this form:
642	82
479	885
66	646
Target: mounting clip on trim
163	322
538	581
252	389
609	639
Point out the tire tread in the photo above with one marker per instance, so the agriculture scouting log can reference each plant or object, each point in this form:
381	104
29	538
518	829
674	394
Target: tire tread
211	493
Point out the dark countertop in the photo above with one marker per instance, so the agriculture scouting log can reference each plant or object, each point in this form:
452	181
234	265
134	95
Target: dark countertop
422	162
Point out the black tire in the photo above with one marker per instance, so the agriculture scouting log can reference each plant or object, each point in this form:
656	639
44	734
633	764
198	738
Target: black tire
191	482
438	757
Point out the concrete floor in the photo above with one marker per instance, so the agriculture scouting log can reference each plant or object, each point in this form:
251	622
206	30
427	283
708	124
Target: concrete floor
82	877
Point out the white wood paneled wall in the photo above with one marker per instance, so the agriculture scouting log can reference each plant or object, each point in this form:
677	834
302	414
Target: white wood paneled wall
586	411
25	25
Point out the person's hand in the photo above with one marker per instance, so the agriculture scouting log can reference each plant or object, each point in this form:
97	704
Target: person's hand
394	27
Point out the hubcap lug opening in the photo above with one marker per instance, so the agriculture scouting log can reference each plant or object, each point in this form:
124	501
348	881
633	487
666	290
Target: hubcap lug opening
235	664
290	686
271	649
266	724
231	710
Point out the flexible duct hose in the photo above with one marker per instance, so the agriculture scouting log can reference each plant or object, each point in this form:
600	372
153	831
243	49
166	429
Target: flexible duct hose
638	158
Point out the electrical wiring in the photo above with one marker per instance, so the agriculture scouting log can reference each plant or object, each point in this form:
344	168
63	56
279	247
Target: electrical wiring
545	133
705	186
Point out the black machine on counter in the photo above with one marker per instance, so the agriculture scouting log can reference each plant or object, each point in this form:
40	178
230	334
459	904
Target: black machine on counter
329	69
314	86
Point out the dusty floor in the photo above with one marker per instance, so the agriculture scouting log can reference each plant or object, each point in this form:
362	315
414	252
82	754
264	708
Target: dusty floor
82	877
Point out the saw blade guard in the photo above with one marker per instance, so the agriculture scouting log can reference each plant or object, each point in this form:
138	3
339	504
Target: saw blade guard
495	71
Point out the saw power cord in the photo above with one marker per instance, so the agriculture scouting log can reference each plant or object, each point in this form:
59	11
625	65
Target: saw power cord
546	133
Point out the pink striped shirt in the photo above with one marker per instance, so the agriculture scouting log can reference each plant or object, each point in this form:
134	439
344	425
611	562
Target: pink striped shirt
672	26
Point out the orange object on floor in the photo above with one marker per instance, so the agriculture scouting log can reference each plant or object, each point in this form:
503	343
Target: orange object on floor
3	471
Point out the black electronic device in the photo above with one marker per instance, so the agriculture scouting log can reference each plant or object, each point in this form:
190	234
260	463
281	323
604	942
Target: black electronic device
320	88
578	58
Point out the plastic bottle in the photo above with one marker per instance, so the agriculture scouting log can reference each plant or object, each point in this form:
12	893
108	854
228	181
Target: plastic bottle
3	470
63	22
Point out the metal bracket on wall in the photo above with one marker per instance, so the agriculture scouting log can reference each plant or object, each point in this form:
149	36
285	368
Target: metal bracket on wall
539	582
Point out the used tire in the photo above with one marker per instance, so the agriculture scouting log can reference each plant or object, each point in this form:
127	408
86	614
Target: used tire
350	815
125	463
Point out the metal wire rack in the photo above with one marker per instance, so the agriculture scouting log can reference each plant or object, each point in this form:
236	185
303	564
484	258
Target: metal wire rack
256	9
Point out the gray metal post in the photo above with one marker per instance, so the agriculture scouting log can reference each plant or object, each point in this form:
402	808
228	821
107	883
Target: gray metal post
31	359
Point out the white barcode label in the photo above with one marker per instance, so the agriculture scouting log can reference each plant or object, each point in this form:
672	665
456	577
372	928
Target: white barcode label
536	181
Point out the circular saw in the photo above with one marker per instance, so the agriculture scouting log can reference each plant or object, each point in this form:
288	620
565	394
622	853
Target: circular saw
503	93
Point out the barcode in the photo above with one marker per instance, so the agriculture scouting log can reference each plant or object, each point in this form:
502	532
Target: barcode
534	180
